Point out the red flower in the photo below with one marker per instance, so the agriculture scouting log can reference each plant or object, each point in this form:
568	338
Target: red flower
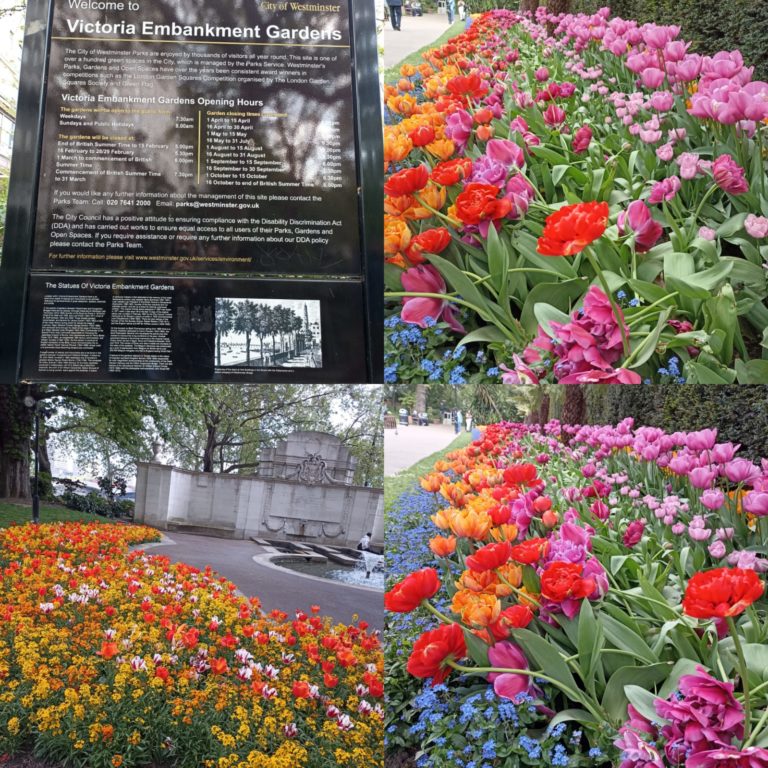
409	593
407	181
452	171
489	557
561	581
301	689
521	474
431	241
422	135
516	616
219	666
721	592
162	673
479	202
471	85
573	228
434	649
529	552
108	651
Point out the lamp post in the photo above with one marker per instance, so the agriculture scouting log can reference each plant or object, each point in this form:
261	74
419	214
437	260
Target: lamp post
32	403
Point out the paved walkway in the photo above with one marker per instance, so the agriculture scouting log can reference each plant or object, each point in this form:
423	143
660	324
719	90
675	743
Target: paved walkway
276	589
415	32
406	446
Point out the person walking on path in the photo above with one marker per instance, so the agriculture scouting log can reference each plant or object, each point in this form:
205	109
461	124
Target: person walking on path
395	13
459	421
450	8
469	421
462	10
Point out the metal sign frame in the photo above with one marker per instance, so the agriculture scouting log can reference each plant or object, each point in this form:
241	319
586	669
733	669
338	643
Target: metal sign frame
15	269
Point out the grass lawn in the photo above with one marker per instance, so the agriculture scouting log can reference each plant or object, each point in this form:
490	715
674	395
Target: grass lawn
392	75
15	513
404	481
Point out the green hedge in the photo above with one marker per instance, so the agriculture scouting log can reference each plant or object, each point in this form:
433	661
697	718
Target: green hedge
739	412
712	25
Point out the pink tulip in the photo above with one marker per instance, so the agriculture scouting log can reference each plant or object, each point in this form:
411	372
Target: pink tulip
690	164
657	36
638	219
703	440
689	68
610	376
741	471
707	233
541	74
756	503
416	309
664	190
756	226
702	477
665	152
634	533
662	101
506	655
675	50
554	116
652	77
505	151
582	139
729	175
716	549
712	499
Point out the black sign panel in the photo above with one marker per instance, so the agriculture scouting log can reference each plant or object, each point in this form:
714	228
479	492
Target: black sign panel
199	137
179	329
200	165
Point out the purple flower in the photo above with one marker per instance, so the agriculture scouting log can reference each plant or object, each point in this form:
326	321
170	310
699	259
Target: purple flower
416	309
712	498
697	529
717	549
505	151
702	477
458	128
707	233
703	440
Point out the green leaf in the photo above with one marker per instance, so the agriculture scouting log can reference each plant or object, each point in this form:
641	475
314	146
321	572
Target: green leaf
590	643
732	226
681	667
476	648
625	639
756	658
574	715
558	172
752	372
712	277
696	373
498	259
546	313
615	699
531	580
562	296
546	656
647	346
459	281
488	333
642	701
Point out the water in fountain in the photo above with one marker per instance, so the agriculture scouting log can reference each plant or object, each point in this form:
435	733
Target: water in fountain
368	571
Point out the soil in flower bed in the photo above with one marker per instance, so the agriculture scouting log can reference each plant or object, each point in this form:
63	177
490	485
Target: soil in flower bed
401	759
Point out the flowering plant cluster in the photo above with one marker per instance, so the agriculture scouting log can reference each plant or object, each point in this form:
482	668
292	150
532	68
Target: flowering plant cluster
538	169
606	578
111	657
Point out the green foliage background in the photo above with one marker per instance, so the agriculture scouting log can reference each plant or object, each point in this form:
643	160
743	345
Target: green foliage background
740	413
712	25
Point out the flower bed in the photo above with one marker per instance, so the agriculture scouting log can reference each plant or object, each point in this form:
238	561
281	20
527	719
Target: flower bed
576	199
581	595
111	657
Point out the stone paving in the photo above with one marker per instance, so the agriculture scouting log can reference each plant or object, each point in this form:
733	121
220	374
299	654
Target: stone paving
406	446
415	32
275	587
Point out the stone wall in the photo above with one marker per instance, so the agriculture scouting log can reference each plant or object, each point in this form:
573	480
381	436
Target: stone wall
241	506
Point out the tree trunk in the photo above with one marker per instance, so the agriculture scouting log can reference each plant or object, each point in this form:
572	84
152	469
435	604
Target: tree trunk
420	398
46	476
559	6
574	405
15	430
544	410
210	448
529	5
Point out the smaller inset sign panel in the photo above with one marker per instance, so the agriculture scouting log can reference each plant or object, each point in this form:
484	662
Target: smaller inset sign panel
113	328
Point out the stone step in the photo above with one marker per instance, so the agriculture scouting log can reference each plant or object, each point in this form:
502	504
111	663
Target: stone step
203	530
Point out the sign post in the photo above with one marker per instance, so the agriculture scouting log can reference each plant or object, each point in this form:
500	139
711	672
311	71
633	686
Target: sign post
195	194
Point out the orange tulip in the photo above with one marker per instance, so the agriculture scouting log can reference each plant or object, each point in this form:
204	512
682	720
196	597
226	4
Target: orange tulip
443	546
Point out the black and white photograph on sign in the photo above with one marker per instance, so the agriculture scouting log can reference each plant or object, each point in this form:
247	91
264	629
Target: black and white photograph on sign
268	333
